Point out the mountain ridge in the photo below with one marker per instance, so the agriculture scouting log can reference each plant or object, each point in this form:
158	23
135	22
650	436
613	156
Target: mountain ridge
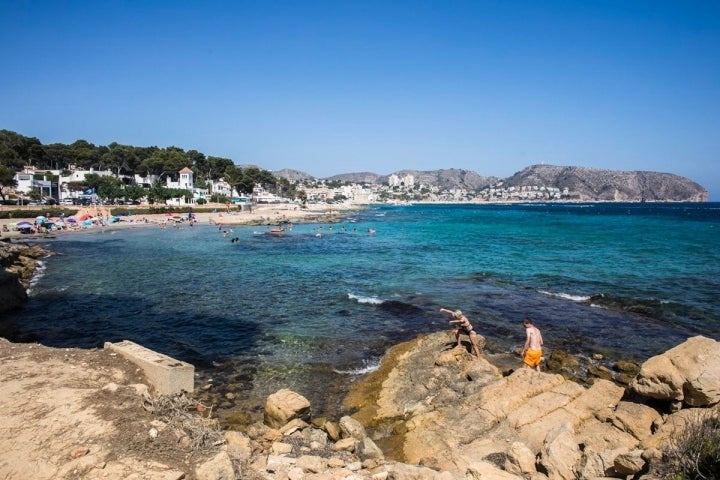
580	183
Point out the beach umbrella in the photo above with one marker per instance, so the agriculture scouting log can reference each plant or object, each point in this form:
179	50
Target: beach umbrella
24	225
84	216
87	222
41	219
71	220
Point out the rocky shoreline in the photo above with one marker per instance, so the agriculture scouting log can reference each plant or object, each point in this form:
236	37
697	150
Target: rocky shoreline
19	263
431	411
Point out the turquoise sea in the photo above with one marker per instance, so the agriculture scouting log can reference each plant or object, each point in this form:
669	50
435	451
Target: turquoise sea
313	310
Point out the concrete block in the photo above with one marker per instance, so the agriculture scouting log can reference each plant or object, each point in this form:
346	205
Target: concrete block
167	375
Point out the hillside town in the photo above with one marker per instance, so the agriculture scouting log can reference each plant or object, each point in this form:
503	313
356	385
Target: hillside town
49	187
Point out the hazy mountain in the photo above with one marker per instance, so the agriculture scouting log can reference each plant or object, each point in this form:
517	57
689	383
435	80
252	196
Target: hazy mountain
293	175
449	178
587	184
611	185
360	177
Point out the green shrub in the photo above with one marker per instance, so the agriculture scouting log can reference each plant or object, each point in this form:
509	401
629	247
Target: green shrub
54	211
693	452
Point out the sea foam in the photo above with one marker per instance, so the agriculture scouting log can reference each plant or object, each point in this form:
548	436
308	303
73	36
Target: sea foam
368	300
368	366
566	296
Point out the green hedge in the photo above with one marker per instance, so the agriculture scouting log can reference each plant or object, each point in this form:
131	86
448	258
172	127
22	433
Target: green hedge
53	210
156	209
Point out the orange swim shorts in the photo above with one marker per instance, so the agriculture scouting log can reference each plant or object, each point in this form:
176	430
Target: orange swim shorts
533	357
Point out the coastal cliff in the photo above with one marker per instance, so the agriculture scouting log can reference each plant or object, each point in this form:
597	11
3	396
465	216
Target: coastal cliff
589	184
18	262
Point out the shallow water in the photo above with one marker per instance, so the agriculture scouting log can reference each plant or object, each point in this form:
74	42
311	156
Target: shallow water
312	310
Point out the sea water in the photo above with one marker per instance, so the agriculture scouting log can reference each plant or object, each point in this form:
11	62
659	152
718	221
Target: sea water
317	307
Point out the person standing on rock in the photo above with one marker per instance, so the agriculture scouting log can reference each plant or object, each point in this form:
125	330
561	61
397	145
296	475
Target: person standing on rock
463	326
532	351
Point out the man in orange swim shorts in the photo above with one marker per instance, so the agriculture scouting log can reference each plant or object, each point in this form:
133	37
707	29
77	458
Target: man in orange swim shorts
532	351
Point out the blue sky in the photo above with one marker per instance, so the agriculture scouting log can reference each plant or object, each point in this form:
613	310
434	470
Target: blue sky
337	87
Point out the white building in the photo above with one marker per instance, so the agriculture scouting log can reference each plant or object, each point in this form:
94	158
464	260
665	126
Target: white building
24	182
395	180
221	187
185	180
261	195
77	176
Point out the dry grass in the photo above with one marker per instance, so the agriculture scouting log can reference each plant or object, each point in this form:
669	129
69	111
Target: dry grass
190	417
694	449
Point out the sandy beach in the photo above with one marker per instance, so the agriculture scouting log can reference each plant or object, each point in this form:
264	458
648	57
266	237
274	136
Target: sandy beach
267	214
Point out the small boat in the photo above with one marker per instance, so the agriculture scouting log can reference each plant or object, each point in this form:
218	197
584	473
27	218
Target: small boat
277	231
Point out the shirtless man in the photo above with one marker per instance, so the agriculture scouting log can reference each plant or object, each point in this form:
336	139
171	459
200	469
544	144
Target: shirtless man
532	351
464	326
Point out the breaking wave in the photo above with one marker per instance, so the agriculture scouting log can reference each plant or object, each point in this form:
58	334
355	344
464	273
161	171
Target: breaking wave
368	300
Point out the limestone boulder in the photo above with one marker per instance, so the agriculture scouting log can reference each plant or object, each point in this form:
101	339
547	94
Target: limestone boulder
352	428
456	413
629	463
333	430
315	437
597	436
312	463
366	449
596	403
600	464
637	419
285	405
403	471
560	455
487	471
689	372
520	460
219	467
674	426
239	446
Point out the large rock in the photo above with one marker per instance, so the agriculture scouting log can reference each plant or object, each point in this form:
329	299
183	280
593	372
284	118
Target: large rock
219	467
285	405
455	413
12	293
487	471
636	419
689	373
629	463
560	453
402	471
366	448
351	428
520	460
239	446
674	427
18	262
